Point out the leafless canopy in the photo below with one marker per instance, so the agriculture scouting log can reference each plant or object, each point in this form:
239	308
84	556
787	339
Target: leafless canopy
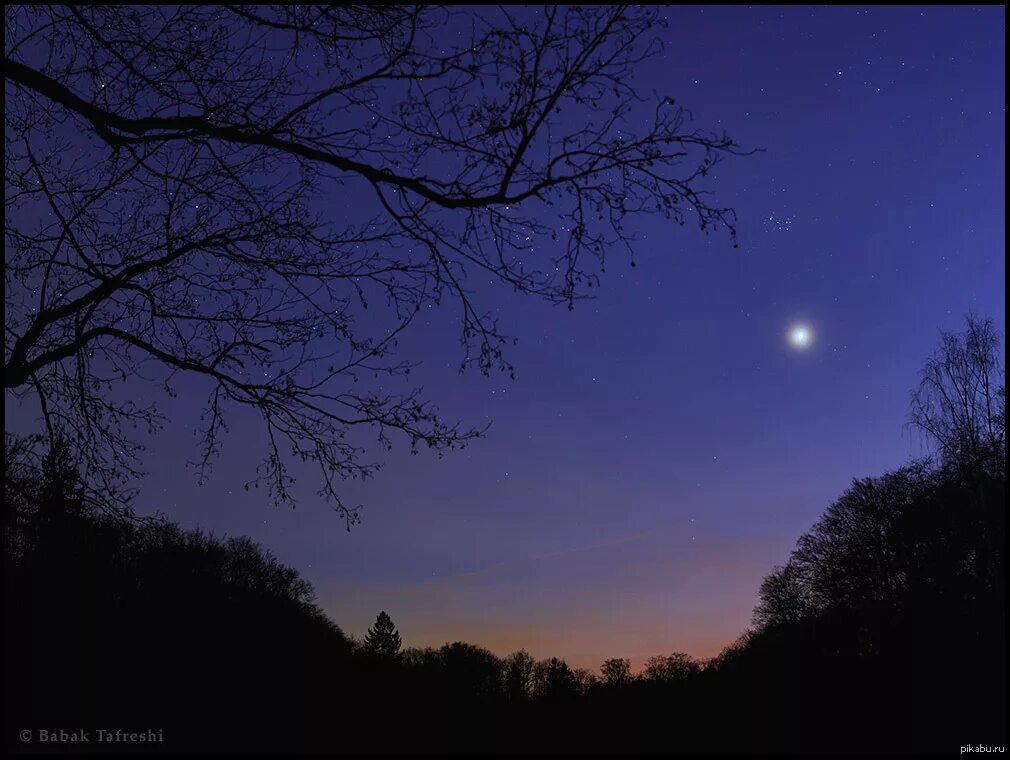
178	181
960	403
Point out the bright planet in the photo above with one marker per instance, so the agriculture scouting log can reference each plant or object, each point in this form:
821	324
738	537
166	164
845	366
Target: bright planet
800	336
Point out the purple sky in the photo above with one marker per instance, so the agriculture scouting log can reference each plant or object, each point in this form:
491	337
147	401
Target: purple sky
663	446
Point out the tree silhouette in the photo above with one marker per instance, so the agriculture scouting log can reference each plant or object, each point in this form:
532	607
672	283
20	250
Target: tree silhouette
555	681
671	668
852	648
922	542
585	680
164	167
383	639
616	671
472	672
518	671
784	598
900	568
960	403
142	619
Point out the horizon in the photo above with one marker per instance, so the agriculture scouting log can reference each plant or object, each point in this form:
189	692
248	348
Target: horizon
663	446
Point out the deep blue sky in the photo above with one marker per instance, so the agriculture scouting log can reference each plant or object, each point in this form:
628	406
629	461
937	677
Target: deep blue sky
663	446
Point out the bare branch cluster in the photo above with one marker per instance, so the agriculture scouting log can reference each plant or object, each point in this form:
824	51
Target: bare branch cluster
176	185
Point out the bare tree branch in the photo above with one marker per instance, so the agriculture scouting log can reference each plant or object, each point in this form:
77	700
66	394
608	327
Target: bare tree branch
165	167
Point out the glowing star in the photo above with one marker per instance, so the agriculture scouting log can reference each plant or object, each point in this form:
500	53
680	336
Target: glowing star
800	336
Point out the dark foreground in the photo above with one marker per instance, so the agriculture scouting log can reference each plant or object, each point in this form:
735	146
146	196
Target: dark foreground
884	633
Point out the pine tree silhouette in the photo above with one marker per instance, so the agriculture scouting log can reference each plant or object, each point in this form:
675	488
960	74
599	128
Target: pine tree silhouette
383	638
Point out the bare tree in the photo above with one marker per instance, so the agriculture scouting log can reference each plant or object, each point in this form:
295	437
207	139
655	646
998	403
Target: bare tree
554	681
784	597
961	399
171	179
616	671
856	557
585	680
671	668
517	675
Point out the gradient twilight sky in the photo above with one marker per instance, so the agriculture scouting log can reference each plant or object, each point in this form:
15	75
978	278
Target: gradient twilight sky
664	445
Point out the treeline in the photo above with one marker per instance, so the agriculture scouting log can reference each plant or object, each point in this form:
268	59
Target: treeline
883	632
115	622
886	627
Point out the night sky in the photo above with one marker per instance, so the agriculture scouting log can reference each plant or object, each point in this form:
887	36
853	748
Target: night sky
663	446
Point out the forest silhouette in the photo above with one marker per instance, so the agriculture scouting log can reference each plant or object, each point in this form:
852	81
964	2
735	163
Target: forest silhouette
241	210
884	631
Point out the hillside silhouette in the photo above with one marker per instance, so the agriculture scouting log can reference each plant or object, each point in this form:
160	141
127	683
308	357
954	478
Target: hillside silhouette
884	631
